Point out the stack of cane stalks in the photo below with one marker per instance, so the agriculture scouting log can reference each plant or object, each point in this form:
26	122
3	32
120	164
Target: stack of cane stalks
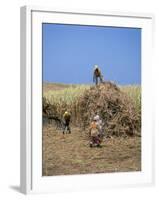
121	116
116	109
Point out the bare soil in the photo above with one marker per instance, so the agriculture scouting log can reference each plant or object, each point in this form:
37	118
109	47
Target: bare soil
71	154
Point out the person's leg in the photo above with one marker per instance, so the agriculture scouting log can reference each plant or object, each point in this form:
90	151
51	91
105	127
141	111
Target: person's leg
96	78
68	126
69	129
91	142
64	127
101	79
94	139
98	141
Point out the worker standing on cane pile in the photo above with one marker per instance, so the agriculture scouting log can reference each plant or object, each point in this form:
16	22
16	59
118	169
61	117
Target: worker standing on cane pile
97	75
66	120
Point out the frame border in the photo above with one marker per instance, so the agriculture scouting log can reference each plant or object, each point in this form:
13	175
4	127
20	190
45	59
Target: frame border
26	83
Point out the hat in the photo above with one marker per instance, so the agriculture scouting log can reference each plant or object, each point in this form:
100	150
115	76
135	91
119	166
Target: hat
96	118
95	66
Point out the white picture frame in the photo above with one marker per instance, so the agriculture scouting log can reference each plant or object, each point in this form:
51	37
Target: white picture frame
31	102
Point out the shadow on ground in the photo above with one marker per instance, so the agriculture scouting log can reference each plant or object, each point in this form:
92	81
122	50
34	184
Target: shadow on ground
15	188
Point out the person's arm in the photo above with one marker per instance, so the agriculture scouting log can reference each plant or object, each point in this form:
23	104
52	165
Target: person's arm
94	77
63	116
98	128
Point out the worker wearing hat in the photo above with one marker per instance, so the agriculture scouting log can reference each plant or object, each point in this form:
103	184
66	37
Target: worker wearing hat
66	119
94	133
97	75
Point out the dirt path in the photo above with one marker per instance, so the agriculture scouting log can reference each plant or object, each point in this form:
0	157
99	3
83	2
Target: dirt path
71	154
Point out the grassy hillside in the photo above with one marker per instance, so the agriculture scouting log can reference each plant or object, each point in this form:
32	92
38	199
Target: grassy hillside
134	92
57	92
70	153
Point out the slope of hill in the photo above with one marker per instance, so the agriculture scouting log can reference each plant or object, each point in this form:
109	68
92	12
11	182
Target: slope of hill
70	153
54	86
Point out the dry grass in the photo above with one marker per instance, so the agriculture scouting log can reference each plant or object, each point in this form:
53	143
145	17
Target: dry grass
116	108
134	92
71	154
68	94
120	108
53	86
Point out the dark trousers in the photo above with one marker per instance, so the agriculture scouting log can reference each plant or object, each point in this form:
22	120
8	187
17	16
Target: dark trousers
100	79
66	126
95	140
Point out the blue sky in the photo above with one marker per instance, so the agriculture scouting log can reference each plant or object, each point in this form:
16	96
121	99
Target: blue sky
71	51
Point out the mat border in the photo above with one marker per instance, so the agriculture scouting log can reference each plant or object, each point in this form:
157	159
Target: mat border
26	174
